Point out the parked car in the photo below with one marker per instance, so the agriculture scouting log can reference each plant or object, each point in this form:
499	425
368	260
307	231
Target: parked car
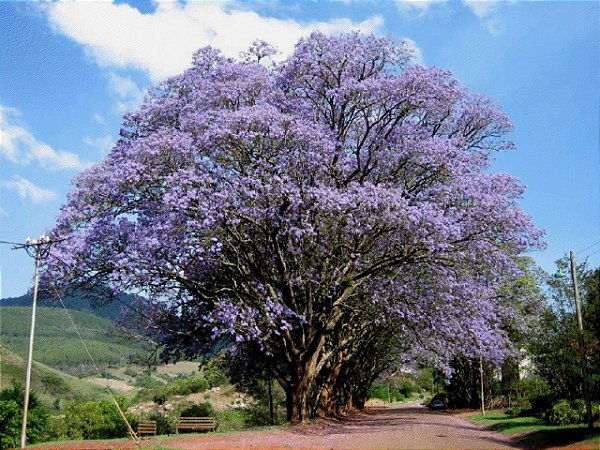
437	404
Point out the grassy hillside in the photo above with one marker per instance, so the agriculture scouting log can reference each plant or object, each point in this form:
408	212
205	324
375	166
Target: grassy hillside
56	342
87	302
51	385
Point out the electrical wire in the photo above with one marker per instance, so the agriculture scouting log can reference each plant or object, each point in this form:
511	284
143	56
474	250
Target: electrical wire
593	244
132	433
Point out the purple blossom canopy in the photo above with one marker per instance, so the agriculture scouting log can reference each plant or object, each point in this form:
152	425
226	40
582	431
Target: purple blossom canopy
308	206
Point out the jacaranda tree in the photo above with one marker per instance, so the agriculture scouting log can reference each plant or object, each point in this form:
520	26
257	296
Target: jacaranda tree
316	210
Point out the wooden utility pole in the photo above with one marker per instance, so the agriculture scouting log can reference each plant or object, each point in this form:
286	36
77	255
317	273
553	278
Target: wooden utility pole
481	382
38	249
584	366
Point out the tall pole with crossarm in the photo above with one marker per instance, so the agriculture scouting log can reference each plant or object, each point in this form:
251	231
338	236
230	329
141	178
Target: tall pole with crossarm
37	249
584	366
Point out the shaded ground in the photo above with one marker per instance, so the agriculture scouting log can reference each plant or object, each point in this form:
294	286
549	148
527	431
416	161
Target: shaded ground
409	426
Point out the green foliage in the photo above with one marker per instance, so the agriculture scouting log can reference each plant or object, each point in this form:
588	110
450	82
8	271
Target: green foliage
94	420
188	386
393	390
260	409
565	412
557	346
233	420
164	423
160	398
197	410
179	386
10	423
213	373
54	384
11	417
131	372
53	388
57	343
146	381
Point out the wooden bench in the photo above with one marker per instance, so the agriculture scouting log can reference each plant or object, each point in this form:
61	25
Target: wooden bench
146	427
196	423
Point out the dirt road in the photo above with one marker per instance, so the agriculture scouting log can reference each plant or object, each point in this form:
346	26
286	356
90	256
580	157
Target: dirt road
409	426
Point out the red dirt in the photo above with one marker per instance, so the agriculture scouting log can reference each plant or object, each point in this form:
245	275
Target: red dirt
409	426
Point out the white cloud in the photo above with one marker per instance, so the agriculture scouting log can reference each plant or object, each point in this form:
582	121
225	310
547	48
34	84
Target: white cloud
3	212
422	6
99	118
27	190
19	145
482	8
415	49
486	10
103	143
162	43
128	93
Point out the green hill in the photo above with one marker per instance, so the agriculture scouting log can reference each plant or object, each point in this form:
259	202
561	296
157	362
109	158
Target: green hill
51	385
56	342
93	303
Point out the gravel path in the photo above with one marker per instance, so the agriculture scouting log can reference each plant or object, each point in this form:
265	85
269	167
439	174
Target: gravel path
409	426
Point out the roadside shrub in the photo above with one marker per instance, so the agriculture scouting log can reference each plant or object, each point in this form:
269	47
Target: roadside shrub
187	386
164	424
560	413
94	420
11	417
197	410
564	412
388	391
233	420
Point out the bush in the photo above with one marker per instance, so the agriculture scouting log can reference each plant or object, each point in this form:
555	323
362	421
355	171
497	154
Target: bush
160	398
197	410
392	391
564	412
187	386
233	420
94	420
164	424
213	374
259	411
560	413
145	381
53	384
130	372
513	411
11	417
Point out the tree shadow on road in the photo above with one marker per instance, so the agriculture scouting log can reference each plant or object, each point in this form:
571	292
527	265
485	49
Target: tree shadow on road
558	438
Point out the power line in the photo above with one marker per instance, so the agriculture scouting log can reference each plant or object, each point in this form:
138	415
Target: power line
592	254
593	244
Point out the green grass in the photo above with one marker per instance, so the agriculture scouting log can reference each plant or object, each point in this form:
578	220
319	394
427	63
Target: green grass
49	384
56	342
533	432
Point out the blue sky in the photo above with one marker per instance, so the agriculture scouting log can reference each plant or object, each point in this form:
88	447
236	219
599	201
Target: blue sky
69	70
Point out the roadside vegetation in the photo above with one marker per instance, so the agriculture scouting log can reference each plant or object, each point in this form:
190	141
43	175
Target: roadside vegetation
534	432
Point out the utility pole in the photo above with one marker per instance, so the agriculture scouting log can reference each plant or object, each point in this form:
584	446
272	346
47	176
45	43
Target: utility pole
37	249
584	367
481	382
